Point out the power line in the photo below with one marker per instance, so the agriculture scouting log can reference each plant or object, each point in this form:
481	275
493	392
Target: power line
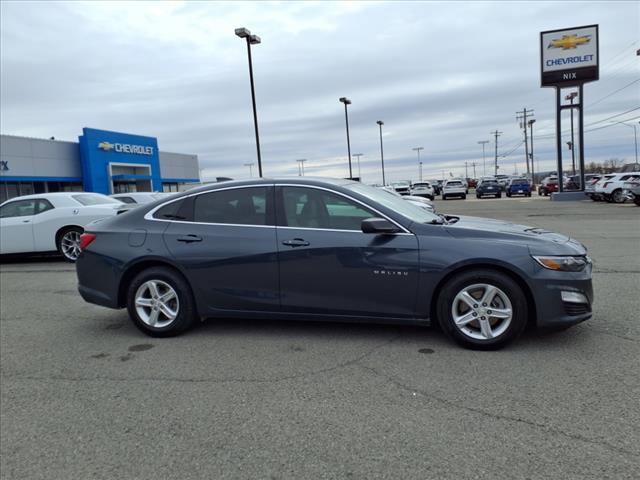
612	116
614	92
504	155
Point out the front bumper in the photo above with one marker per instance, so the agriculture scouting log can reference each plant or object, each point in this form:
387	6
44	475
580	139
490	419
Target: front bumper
551	311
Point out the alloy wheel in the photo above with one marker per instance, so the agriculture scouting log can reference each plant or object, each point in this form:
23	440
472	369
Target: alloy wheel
482	311
70	244
156	303
618	196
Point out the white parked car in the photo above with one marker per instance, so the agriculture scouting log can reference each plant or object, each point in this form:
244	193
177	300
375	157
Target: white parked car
140	197
52	221
454	188
611	187
422	189
403	187
420	202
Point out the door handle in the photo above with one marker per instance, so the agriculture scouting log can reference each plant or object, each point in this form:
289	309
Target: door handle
26	221
296	242
190	238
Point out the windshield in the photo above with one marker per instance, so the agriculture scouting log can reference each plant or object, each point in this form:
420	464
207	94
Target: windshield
88	199
397	204
453	184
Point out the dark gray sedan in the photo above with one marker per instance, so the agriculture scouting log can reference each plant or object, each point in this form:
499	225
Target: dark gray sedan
318	249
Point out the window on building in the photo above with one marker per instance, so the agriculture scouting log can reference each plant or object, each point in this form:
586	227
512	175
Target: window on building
170	187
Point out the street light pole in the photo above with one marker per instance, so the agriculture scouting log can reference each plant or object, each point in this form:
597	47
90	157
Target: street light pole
635	137
358	155
252	40
346	102
380	123
250	165
417	149
570	97
484	166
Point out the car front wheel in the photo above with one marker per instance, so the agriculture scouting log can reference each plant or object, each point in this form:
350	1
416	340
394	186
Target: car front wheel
68	243
482	309
160	302
618	196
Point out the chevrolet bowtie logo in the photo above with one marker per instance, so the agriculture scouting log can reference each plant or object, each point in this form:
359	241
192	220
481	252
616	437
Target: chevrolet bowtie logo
106	146
569	41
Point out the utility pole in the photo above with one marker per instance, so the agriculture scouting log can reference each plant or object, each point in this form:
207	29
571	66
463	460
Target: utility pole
533	174
250	165
301	166
522	116
495	165
474	169
466	170
484	166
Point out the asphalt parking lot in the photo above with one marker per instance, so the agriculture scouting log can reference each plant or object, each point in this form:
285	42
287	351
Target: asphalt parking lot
86	395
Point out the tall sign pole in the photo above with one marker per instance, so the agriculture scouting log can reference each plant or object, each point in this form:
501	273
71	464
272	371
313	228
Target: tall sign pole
569	57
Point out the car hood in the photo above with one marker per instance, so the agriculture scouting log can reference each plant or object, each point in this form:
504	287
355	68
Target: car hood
539	240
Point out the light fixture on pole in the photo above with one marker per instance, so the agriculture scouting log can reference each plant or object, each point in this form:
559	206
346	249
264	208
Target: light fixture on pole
358	155
380	123
252	40
250	165
484	165
570	97
346	102
417	149
301	166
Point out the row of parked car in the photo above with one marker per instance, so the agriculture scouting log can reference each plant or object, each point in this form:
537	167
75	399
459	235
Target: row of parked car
614	187
493	186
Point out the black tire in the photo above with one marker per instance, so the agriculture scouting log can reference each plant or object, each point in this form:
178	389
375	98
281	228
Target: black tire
490	277
508	194
478	196
444	197
636	200
464	197
529	194
187	312
499	195
617	196
62	244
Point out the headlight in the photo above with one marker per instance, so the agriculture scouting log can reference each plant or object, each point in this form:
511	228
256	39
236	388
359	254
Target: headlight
564	263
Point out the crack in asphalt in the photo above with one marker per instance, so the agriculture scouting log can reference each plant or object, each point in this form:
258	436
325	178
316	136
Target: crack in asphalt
494	416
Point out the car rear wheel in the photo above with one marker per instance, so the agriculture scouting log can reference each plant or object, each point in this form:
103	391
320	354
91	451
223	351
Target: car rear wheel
618	196
68	243
478	196
482	309
464	197
160	302
499	195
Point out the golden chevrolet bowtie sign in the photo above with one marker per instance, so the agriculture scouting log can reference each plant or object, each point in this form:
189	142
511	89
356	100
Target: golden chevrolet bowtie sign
569	41
106	146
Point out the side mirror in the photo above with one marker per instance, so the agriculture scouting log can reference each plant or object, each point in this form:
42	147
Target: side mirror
378	225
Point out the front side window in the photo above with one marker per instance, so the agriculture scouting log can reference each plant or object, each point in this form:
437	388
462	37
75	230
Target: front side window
19	208
238	206
314	208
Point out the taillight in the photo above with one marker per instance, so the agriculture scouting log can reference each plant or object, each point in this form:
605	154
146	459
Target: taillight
86	239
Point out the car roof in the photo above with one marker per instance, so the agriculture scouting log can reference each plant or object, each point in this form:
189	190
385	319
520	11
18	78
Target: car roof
48	195
317	181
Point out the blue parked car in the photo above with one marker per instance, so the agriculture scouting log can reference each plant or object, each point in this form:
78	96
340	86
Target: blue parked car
518	186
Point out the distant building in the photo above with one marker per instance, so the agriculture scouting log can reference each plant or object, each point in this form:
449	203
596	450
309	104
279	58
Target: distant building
101	161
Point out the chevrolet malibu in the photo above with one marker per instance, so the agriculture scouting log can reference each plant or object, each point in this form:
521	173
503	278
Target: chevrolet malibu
336	250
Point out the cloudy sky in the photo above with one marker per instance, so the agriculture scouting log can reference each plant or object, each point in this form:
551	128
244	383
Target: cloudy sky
440	75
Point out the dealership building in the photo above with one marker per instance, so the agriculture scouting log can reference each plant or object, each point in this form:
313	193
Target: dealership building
100	161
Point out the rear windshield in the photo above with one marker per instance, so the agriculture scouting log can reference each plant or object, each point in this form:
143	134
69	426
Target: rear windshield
488	182
454	184
87	199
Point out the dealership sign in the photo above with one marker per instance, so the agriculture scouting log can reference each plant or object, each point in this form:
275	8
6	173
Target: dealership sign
125	148
569	56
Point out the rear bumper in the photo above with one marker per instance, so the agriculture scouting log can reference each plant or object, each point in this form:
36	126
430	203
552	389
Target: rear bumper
98	279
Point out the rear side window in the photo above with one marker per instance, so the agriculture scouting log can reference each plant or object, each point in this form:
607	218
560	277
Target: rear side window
43	206
170	211
238	206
